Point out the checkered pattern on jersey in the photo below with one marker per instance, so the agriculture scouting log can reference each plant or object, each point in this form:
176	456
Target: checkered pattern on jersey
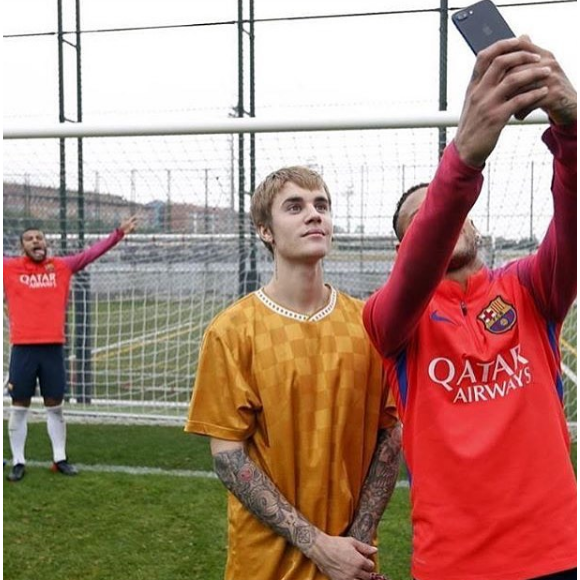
306	395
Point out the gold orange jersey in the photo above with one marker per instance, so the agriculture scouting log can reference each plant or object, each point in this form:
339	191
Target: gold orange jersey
306	394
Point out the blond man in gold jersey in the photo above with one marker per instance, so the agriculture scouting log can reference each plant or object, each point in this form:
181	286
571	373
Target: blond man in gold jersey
303	432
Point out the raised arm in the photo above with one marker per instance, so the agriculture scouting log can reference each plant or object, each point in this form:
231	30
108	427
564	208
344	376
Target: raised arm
81	260
339	558
507	78
550	274
423	255
378	486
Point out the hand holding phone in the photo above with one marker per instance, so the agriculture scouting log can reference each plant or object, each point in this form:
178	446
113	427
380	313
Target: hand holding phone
481	25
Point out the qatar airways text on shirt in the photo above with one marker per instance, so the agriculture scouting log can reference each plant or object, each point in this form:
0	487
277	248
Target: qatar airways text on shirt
473	381
38	280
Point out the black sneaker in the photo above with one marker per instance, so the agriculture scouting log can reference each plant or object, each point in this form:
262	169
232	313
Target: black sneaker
64	467
16	473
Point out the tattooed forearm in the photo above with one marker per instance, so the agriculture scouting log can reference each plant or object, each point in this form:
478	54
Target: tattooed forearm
260	496
565	112
379	485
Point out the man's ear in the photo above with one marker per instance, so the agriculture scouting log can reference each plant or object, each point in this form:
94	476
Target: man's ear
266	234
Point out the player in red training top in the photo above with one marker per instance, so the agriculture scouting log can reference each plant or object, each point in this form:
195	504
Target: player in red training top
472	354
36	287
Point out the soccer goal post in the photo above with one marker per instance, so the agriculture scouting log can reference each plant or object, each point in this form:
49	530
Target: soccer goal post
138	314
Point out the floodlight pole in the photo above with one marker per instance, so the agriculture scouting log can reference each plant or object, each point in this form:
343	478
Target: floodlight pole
443	19
247	276
253	281
81	284
61	142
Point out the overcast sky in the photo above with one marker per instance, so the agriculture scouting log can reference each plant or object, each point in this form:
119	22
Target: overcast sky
353	63
380	64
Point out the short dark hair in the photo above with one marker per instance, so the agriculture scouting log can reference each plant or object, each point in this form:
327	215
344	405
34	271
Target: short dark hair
400	203
29	228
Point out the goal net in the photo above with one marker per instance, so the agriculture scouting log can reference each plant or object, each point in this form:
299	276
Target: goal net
137	315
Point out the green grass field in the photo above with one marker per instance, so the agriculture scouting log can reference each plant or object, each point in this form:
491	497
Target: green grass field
107	526
142	348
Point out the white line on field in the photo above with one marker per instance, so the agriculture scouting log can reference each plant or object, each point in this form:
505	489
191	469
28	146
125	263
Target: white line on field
135	339
97	468
570	374
142	340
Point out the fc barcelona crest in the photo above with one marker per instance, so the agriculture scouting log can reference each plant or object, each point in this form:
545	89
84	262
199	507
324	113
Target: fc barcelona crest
498	316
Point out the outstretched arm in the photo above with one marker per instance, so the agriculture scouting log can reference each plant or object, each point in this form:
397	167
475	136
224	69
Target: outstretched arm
378	486
81	260
550	274
392	313
507	78
339	558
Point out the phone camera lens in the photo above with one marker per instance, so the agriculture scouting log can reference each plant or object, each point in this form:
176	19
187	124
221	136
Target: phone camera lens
462	16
